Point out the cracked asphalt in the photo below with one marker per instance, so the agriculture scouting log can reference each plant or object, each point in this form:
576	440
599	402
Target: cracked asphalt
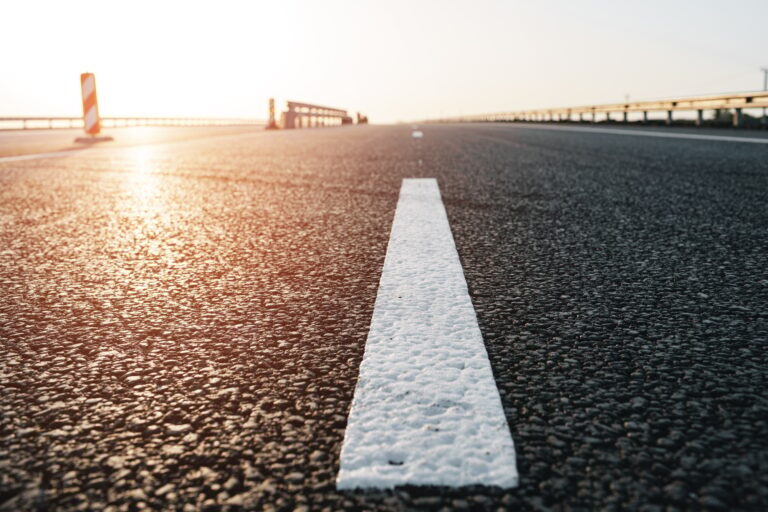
182	322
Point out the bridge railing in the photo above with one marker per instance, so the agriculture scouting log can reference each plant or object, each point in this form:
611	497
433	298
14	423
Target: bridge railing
48	122
736	102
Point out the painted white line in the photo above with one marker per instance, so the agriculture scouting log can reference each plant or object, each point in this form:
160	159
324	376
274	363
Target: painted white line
644	133
417	134
37	156
426	410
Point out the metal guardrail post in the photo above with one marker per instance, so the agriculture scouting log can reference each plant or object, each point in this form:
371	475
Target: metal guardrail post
737	118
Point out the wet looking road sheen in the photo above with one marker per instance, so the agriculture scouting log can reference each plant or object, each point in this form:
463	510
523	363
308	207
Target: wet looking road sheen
182	323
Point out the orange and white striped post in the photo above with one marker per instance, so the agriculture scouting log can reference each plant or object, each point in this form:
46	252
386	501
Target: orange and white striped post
91	120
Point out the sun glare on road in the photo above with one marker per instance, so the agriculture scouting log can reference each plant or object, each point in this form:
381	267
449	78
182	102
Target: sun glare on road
142	180
141	159
144	206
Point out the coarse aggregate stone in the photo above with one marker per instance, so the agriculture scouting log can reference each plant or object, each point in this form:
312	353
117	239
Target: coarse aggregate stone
622	290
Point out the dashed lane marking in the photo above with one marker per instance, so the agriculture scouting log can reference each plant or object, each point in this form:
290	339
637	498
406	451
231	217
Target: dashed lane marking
426	409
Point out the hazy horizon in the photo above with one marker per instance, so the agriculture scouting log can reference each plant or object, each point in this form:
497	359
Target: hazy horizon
393	61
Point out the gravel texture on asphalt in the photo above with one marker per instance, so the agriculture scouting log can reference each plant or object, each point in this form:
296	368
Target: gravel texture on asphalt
182	324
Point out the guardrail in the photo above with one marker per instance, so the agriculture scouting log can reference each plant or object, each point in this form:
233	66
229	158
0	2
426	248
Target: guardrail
307	115
733	101
48	123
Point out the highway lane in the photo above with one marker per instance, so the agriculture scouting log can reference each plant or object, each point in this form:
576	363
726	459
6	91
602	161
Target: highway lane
182	323
633	277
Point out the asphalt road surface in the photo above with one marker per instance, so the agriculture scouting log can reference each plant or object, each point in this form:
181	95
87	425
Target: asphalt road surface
182	322
26	142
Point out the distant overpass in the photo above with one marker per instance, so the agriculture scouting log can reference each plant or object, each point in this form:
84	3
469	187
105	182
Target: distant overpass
736	102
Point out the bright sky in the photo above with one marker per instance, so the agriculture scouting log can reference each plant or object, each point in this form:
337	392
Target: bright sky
391	59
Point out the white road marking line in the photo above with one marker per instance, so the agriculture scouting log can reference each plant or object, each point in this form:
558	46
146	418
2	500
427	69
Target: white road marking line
644	133
426	409
417	134
36	156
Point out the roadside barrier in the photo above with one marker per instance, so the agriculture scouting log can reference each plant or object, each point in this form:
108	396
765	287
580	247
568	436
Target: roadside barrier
91	122
735	103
